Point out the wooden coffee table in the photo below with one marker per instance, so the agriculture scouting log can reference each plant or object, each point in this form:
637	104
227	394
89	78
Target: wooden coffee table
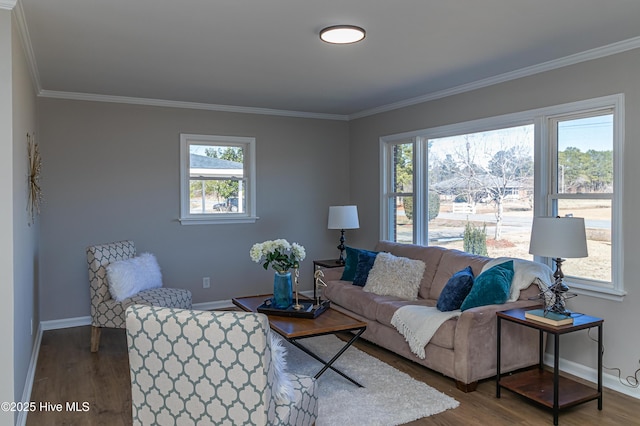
294	329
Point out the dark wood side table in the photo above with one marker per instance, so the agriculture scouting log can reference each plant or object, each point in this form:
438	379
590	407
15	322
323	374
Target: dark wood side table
542	386
327	263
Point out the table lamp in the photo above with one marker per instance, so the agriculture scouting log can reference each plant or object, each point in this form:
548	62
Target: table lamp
343	217
558	238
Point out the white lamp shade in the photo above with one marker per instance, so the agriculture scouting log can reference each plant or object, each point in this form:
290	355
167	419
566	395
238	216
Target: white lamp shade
558	237
343	217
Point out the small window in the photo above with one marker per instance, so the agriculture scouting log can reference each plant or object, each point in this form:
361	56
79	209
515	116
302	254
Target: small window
217	179
582	185
399	191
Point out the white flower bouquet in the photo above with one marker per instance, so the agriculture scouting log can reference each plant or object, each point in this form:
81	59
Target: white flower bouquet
281	255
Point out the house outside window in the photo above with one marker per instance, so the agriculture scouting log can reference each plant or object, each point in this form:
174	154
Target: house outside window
217	179
486	180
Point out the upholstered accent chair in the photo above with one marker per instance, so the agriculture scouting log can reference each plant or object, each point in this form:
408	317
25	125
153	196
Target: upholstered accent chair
208	367
106	311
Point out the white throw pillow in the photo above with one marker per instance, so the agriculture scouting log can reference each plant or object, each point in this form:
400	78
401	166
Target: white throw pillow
282	387
395	276
129	277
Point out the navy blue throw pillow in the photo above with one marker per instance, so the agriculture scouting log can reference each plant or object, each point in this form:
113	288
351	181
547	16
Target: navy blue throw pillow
456	290
351	263
365	263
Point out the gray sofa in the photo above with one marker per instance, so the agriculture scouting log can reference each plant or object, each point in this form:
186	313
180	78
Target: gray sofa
462	348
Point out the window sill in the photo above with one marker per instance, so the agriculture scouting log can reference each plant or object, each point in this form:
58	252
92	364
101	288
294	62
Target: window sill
217	220
599	292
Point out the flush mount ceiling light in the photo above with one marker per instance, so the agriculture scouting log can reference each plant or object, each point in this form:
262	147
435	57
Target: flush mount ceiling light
342	34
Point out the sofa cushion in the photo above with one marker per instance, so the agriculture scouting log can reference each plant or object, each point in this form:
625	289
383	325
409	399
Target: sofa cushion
387	307
343	293
430	255
456	290
451	262
491	287
351	263
443	337
395	276
365	263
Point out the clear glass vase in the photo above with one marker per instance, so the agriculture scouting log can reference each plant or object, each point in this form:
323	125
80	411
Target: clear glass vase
282	290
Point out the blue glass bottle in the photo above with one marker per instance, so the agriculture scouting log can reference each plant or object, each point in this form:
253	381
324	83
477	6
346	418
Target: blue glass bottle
282	290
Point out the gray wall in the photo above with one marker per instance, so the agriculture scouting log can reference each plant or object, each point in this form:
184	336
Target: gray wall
18	241
112	172
25	235
615	74
6	213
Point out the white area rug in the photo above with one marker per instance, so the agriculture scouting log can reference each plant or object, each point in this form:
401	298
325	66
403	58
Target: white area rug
389	396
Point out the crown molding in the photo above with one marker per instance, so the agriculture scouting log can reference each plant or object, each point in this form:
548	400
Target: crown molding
186	105
25	40
600	52
8	4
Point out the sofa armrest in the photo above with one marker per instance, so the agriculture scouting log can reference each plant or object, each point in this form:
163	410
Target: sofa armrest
475	341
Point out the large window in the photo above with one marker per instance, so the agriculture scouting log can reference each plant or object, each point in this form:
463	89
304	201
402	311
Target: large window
476	186
217	179
469	182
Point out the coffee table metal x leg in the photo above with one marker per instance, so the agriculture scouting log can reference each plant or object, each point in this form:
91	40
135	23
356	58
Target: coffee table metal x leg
329	364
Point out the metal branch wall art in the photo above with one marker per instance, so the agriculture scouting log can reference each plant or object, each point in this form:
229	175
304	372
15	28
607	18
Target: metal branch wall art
35	166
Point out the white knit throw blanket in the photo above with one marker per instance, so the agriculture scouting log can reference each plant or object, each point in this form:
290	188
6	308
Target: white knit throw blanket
525	272
418	324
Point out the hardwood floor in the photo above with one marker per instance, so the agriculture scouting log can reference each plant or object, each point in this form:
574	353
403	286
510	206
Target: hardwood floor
68	372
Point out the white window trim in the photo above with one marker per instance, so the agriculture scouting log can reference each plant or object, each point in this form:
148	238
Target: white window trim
539	117
385	176
613	290
249	144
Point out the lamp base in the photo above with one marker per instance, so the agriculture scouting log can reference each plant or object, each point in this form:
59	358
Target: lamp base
341	247
557	293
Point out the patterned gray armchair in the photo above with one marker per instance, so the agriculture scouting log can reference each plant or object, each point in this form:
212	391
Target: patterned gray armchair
107	312
202	367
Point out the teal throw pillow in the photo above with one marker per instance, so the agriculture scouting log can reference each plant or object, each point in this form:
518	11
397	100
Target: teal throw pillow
351	262
456	290
491	287
366	260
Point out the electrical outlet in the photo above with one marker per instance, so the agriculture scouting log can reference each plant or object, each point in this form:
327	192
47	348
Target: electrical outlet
206	282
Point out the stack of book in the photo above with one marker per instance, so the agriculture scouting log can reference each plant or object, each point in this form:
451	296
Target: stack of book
548	317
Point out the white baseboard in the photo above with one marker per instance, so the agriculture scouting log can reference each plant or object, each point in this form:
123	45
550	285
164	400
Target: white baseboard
210	306
65	323
81	321
609	381
21	420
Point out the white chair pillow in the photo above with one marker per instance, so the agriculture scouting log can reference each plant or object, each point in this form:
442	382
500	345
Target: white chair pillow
129	277
282	388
